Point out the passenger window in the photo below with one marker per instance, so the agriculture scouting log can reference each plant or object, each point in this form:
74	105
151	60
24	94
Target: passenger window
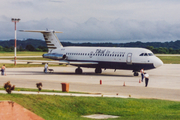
141	54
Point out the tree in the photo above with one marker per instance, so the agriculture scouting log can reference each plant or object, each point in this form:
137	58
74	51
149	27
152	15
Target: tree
171	51
20	48
37	49
162	50
42	48
1	48
30	48
8	49
150	48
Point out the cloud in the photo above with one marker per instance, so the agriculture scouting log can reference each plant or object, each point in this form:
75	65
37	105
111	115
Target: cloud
116	20
20	4
57	1
93	29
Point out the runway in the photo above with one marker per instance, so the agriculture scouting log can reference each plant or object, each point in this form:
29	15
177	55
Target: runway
163	84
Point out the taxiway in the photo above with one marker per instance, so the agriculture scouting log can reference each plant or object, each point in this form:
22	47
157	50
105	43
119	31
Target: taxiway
163	84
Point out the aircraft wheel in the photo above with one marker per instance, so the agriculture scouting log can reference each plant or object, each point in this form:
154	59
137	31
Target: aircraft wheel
98	70
78	71
136	74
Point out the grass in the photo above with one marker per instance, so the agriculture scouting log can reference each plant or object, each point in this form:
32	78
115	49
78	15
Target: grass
28	65
32	90
27	58
72	108
22	53
43	90
170	59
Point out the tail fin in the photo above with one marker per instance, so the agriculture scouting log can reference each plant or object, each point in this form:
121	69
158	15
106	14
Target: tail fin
50	37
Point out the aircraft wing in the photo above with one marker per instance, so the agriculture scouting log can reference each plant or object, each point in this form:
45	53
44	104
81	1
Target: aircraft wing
57	62
83	63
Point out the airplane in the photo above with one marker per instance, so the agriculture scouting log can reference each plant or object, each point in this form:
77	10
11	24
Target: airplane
124	58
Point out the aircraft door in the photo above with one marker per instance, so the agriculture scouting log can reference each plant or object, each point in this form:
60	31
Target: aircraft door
129	58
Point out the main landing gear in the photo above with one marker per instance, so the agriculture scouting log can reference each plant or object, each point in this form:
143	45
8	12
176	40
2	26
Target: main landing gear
136	73
98	70
78	70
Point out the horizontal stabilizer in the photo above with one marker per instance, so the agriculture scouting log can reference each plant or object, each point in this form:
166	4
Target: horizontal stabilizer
50	38
40	31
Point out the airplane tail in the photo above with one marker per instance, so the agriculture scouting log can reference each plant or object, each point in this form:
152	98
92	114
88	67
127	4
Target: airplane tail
50	37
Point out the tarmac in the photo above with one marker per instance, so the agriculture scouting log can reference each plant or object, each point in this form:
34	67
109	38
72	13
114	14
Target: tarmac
163	84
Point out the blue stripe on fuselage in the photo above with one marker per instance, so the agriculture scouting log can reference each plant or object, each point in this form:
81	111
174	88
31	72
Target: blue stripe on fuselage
117	65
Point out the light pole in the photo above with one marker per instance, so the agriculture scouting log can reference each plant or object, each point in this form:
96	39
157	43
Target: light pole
15	20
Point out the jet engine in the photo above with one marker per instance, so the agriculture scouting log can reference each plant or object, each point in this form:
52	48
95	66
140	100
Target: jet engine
54	56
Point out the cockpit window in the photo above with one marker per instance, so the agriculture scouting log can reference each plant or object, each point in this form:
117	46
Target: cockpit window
145	54
150	54
141	54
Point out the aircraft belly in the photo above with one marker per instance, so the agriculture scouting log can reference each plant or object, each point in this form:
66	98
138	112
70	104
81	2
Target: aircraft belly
117	65
124	65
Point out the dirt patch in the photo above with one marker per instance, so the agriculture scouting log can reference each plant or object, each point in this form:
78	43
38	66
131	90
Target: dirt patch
10	110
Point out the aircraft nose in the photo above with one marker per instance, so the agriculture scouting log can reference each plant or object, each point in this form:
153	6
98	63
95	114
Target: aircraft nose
157	62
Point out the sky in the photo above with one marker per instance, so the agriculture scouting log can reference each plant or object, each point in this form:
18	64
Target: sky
93	20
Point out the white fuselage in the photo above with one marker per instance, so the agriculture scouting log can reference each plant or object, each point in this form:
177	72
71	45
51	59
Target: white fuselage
98	57
112	57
